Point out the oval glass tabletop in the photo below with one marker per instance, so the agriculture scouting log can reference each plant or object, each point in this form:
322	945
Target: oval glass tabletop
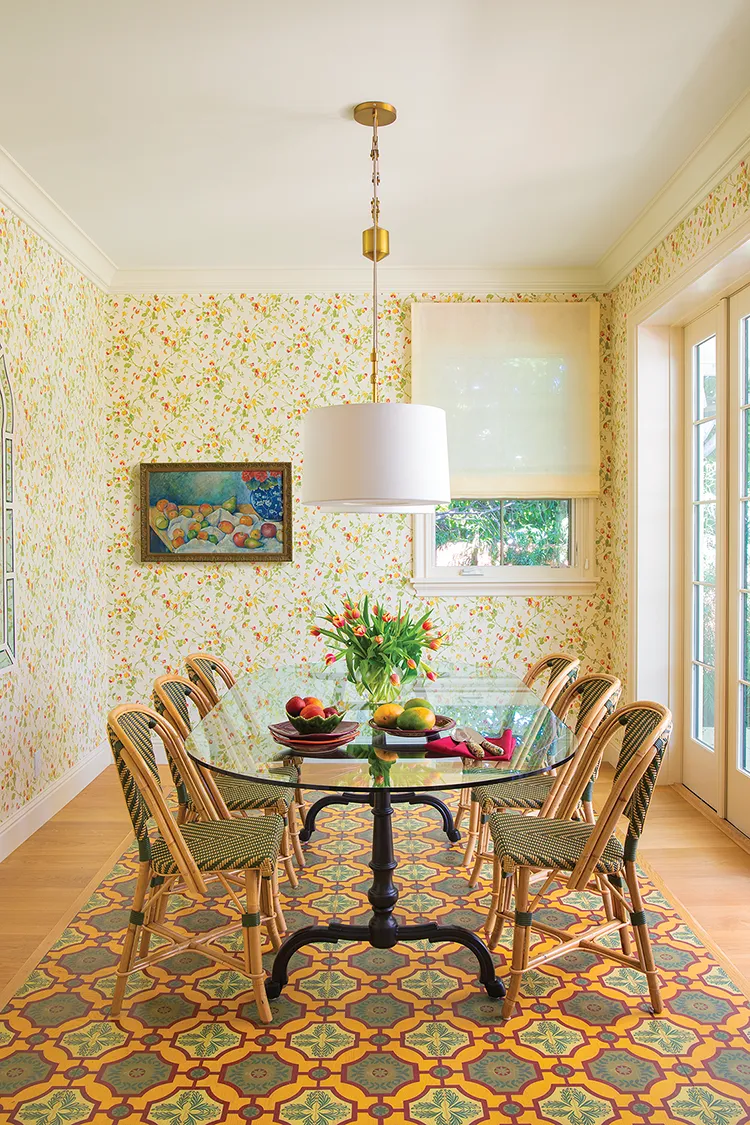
234	738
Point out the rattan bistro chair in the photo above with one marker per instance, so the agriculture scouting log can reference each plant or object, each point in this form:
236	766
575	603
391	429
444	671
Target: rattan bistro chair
205	670
596	696
241	854
591	856
235	794
561	669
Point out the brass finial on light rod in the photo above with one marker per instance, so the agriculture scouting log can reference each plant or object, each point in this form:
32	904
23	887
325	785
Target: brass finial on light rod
376	243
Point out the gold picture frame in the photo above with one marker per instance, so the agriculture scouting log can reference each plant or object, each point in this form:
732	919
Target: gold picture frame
223	511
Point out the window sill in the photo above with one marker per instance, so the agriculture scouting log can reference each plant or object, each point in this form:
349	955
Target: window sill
493	587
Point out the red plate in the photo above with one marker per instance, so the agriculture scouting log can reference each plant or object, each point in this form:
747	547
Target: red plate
288	731
307	748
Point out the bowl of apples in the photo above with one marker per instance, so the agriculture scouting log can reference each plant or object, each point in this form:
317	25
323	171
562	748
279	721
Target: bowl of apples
309	715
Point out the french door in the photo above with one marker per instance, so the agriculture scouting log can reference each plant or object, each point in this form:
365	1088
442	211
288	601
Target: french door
704	743
716	757
738	632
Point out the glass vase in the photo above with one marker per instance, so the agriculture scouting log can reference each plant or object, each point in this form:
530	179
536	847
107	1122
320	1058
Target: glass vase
378	686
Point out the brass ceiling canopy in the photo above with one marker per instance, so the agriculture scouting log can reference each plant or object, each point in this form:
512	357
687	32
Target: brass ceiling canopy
364	113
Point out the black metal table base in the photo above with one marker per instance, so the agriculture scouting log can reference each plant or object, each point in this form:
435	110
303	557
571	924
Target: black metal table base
382	931
407	797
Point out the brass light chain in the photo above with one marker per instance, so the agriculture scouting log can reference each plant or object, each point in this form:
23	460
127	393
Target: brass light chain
376	239
375	208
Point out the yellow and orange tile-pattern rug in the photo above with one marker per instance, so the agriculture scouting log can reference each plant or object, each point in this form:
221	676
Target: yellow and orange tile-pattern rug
362	1035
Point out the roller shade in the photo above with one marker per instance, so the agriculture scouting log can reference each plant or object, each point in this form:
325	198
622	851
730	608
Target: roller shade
519	382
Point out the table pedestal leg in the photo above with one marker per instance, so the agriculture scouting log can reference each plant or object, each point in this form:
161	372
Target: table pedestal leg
408	797
382	930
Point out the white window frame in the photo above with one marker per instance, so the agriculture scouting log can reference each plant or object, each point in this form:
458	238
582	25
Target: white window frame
459	582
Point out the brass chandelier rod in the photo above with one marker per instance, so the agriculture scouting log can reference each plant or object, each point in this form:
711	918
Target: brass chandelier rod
375	240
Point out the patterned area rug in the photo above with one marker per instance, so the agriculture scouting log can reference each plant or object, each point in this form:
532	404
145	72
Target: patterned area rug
362	1035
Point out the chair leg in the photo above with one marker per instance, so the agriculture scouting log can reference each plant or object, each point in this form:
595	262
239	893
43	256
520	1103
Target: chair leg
481	852
643	938
506	892
489	924
267	909
131	937
293	825
473	832
299	805
280	920
521	941
252	944
285	855
155	913
464	806
621	912
588	812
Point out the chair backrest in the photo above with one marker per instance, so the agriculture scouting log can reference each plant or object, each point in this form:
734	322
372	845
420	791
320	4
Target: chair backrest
597	695
646	736
171	695
203	668
130	728
561	669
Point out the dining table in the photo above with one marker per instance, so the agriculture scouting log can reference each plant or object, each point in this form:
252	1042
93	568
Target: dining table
381	769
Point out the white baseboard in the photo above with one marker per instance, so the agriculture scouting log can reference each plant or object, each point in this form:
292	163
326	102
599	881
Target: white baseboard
26	820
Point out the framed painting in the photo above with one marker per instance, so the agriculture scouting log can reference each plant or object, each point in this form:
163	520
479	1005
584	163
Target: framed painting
222	511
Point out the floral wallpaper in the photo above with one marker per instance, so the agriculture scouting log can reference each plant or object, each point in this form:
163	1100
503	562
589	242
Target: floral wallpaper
102	384
229	377
52	325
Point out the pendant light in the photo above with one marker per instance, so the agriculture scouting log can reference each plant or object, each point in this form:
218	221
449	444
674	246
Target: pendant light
375	456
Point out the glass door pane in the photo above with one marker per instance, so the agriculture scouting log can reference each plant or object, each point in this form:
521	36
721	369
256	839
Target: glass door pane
703	477
743	429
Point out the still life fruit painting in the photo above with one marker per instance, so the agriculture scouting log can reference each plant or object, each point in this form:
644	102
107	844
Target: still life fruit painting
237	511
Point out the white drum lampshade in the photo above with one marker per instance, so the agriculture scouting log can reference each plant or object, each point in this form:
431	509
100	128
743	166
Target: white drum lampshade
375	457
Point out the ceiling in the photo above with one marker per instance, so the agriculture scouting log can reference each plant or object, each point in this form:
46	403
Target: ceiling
180	134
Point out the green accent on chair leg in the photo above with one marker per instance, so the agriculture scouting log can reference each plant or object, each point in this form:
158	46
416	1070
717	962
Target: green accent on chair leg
630	849
251	920
157	880
144	850
638	918
137	917
523	918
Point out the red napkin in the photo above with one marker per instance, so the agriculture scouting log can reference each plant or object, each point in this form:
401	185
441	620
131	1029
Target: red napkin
446	747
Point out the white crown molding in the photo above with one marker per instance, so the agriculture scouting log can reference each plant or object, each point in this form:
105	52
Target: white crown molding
713	159
357	280
25	198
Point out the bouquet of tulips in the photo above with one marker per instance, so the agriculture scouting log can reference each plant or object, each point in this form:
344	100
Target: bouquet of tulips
384	651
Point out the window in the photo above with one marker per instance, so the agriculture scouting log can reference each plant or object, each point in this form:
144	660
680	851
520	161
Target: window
7	551
503	533
505	546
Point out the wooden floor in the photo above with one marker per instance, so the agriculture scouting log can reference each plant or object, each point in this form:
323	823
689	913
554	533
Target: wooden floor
42	881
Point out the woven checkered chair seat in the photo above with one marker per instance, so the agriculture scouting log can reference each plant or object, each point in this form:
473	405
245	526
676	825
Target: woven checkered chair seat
529	794
240	794
523	841
223	845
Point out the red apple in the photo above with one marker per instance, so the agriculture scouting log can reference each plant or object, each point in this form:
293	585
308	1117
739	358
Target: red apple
312	712
330	711
239	538
268	530
295	705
